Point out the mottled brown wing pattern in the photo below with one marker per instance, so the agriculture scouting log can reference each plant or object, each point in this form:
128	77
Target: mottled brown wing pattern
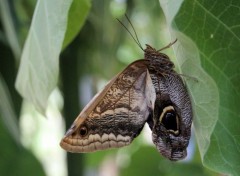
116	115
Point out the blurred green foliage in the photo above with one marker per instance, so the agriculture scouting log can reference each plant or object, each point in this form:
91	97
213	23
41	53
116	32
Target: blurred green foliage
15	159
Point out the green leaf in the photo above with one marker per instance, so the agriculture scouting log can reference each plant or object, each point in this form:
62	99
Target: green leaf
9	28
38	72
39	67
76	18
210	30
7	112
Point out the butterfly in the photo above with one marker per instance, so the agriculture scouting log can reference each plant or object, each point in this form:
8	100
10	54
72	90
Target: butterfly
146	91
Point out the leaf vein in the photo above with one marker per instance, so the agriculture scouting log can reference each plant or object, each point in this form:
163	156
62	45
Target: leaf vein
217	19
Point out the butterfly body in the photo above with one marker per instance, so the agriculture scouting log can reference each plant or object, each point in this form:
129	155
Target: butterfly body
148	90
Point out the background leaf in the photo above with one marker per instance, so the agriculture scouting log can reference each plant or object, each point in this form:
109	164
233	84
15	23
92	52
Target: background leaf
7	112
76	18
38	72
9	28
213	27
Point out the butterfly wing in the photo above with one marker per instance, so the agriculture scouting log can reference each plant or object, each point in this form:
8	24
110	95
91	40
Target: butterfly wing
116	115
172	119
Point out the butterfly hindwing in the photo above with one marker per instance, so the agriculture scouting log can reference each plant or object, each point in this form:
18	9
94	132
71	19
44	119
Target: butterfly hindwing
116	115
172	118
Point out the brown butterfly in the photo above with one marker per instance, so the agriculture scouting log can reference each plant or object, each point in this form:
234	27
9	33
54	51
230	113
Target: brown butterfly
148	90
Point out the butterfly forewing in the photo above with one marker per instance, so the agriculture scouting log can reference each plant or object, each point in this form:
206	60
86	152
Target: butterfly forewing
116	115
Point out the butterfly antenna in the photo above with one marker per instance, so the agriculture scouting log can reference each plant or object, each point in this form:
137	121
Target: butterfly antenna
168	46
134	31
136	40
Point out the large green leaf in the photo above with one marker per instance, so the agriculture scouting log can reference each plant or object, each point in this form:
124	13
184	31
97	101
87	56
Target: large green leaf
213	27
77	15
39	67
